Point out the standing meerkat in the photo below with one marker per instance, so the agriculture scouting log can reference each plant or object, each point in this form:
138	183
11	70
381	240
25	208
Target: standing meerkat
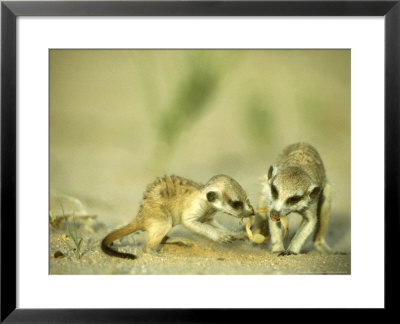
174	200
296	183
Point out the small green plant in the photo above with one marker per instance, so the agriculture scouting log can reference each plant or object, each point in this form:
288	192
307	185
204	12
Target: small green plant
52	216
189	102
73	234
77	241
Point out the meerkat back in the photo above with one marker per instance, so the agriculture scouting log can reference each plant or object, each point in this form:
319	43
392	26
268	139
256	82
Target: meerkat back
307	158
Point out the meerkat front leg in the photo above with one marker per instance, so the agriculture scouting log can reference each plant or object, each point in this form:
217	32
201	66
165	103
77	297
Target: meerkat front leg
276	237
304	231
209	231
191	220
323	220
237	235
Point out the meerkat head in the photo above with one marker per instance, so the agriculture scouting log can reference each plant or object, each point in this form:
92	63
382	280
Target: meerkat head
226	194
288	189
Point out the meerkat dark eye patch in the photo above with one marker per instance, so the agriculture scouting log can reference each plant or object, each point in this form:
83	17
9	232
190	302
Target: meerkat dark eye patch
212	196
293	200
236	204
274	192
315	192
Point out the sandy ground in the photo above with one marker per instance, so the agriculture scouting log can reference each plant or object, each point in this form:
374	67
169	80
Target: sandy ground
204	257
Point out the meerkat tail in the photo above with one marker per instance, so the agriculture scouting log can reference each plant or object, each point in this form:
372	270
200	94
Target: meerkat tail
106	242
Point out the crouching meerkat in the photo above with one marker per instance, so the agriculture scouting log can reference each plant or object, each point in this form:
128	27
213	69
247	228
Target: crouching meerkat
173	200
296	183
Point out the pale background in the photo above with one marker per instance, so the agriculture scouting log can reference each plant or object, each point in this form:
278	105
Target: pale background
120	118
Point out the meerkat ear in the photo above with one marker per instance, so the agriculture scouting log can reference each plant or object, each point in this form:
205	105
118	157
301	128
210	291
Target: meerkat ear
212	196
314	191
271	172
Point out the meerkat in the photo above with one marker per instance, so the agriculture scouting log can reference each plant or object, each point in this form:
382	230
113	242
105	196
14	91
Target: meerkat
173	200
296	183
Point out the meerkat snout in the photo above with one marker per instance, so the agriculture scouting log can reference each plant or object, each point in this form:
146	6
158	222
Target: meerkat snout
275	215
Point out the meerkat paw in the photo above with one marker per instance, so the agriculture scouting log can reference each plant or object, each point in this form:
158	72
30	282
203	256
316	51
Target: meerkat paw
287	252
323	248
240	236
154	253
277	248
181	241
186	243
225	237
151	250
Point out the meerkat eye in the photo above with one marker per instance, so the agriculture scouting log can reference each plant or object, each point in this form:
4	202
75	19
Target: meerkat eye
274	192
236	204
212	196
293	200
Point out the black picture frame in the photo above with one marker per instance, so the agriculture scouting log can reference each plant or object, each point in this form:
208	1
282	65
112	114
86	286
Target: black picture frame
10	10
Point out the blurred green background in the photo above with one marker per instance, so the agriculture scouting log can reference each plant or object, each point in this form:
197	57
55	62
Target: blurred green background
120	118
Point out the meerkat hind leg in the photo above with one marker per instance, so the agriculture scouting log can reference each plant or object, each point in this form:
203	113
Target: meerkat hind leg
155	235
323	220
178	240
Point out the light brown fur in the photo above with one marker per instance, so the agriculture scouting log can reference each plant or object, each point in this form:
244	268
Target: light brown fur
296	183
173	200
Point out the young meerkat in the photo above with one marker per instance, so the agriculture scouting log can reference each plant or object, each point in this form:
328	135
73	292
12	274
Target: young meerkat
173	200
296	183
